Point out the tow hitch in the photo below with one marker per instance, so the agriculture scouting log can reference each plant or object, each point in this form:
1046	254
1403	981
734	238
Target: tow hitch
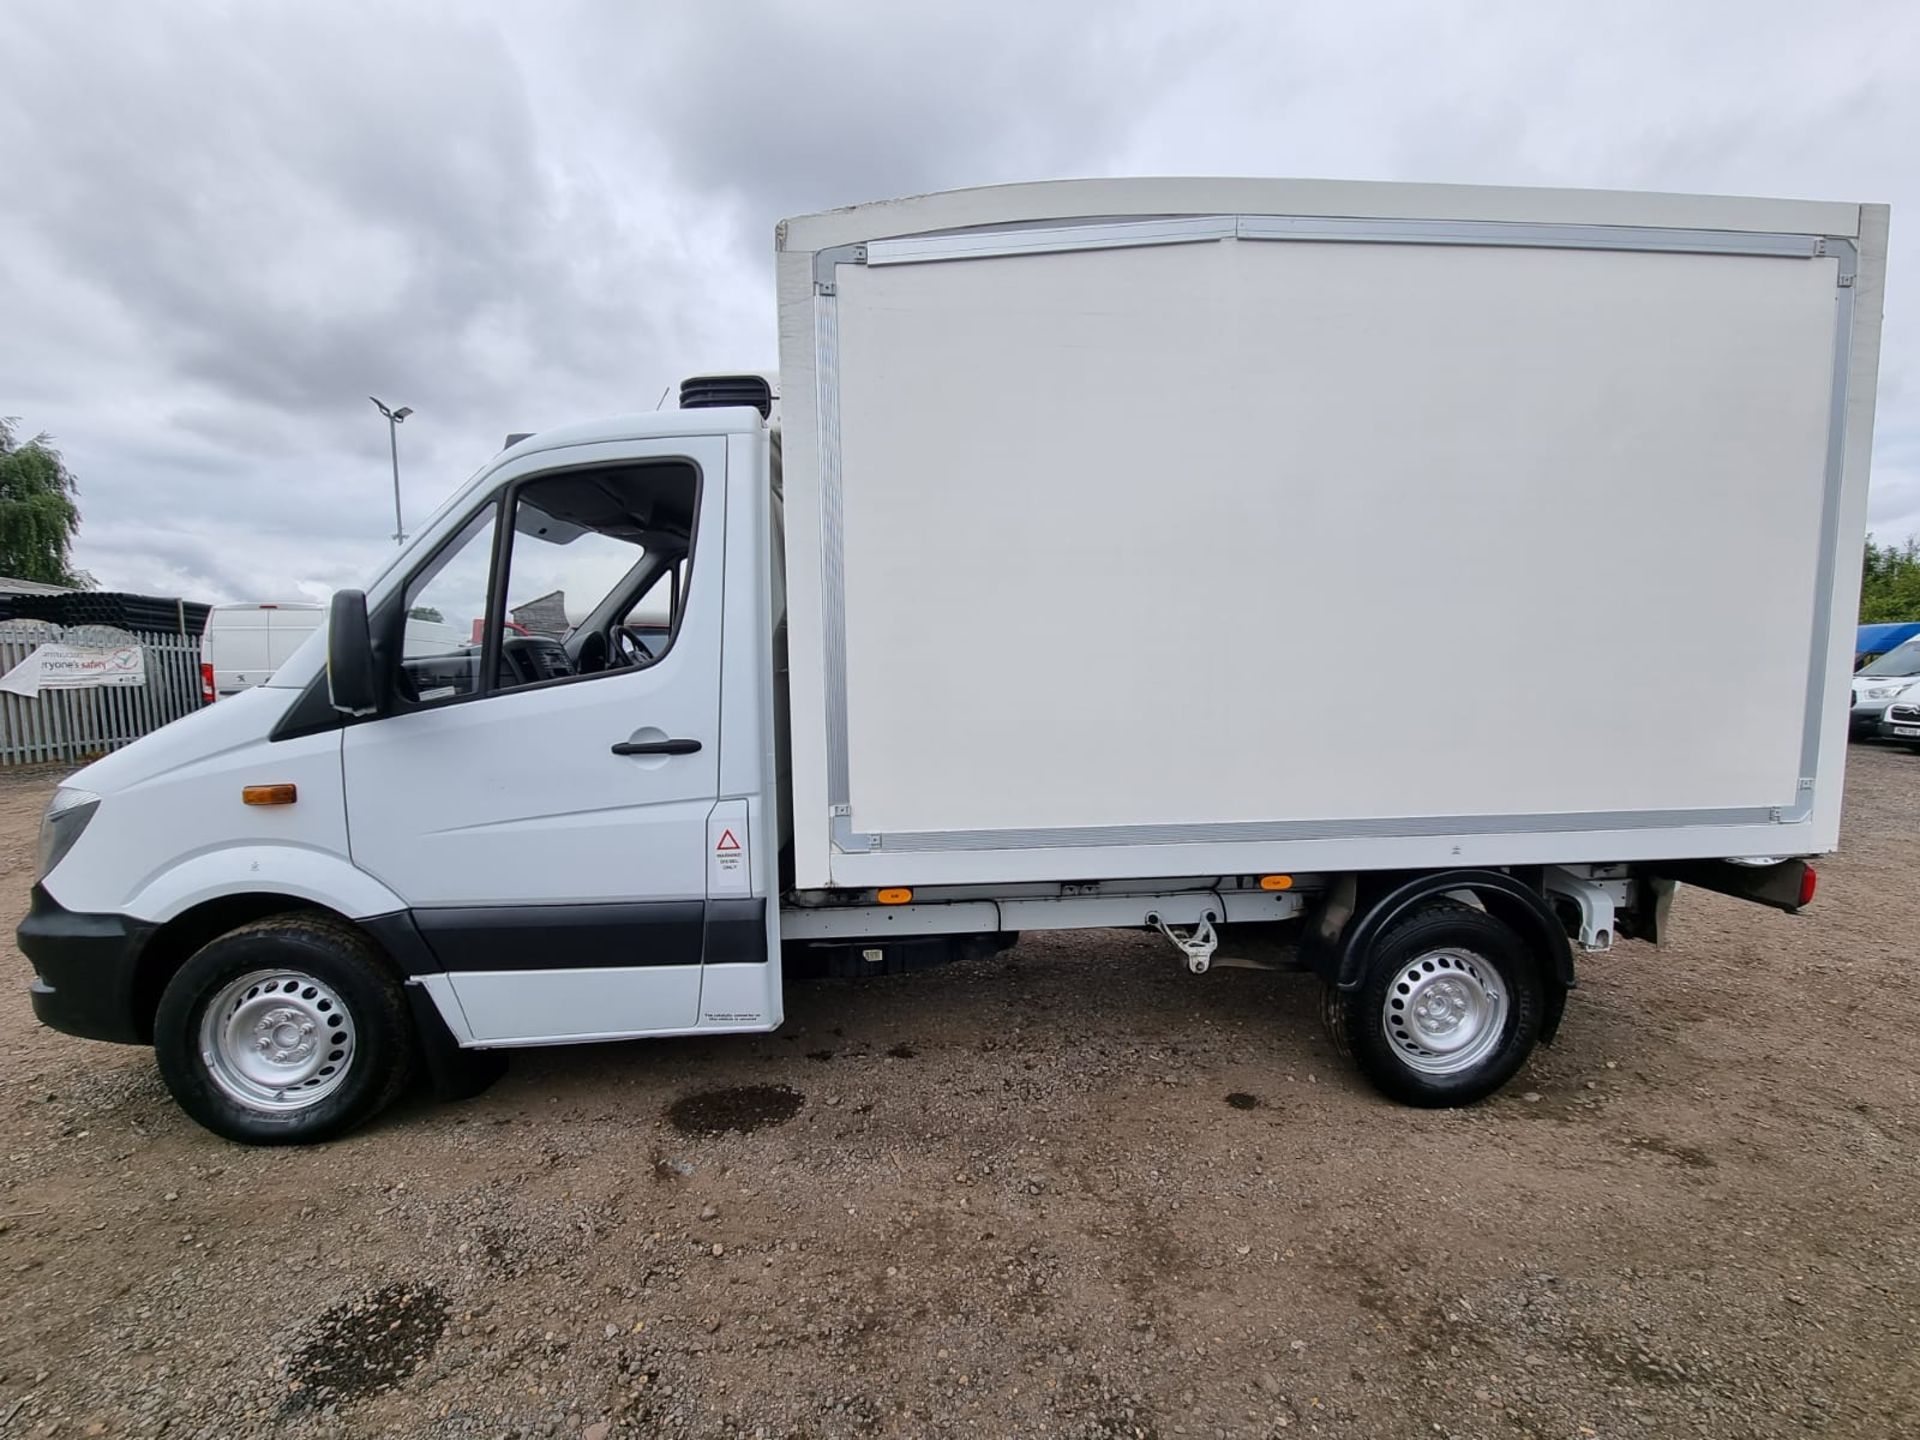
1196	942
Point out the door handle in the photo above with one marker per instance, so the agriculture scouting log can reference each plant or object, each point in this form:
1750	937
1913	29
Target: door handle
656	747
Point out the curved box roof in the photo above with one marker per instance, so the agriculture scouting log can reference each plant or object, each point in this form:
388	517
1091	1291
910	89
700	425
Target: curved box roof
1068	200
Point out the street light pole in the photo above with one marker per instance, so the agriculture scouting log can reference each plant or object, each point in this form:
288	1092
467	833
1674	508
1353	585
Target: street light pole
394	419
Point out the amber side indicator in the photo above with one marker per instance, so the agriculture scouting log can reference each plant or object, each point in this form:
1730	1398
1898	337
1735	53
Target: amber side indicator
1276	882
894	895
269	794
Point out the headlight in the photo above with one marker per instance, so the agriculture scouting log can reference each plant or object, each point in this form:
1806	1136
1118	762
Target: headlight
67	815
1882	692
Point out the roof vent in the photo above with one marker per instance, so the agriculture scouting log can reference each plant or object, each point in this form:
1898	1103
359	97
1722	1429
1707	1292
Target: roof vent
713	392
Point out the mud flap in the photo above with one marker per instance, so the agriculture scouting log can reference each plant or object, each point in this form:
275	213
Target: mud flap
1647	918
1786	885
455	1074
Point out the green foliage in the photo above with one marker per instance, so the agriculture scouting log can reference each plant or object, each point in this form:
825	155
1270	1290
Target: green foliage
37	515
1890	582
426	612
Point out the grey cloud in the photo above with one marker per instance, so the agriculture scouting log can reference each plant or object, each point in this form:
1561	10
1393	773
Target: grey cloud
273	240
320	214
295	564
797	108
227	224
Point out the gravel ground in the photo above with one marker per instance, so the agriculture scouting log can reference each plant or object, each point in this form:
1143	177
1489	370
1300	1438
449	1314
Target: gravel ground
1070	1191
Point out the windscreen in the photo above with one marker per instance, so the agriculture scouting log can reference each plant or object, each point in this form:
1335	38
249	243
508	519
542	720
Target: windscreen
1901	660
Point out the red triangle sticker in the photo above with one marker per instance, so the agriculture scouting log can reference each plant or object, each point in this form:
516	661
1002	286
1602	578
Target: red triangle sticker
727	842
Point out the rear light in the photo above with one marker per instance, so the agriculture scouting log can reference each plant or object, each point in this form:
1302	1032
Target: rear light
206	683
1809	878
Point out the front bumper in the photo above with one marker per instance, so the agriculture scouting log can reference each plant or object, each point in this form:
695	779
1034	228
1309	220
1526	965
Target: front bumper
1865	719
1890	729
85	969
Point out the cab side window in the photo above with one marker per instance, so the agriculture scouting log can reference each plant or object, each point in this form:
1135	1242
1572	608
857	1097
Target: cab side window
654	617
446	609
589	580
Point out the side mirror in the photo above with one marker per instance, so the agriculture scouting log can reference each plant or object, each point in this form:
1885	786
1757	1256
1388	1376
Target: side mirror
350	672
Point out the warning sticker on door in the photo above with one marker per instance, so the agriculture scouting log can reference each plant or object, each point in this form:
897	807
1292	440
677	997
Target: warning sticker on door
727	872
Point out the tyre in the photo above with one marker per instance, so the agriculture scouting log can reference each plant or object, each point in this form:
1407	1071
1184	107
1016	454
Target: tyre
1448	1010
289	1030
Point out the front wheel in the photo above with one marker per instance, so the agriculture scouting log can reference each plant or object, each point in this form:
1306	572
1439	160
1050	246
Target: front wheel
1448	1009
286	1031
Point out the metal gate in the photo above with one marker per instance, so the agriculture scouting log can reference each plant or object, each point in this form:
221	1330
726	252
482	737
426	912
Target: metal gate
68	726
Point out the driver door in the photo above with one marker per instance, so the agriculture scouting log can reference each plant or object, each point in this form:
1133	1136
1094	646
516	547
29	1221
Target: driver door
563	884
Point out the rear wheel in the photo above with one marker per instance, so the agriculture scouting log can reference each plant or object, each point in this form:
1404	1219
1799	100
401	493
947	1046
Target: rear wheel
1448	1009
288	1030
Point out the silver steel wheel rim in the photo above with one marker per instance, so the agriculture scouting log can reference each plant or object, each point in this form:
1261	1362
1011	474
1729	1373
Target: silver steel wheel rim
1445	1011
277	1040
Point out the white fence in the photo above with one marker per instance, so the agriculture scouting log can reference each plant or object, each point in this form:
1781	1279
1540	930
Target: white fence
59	726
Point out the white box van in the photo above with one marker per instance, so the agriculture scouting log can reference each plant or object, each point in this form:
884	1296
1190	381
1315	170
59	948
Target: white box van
1035	609
244	644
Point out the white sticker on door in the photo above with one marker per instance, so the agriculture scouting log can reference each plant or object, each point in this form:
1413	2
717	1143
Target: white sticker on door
727	871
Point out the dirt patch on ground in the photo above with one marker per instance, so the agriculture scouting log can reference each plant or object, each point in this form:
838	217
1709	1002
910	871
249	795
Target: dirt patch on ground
1066	1191
742	1109
363	1346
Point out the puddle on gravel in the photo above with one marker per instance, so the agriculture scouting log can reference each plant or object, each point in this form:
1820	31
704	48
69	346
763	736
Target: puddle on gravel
364	1346
744	1108
1240	1100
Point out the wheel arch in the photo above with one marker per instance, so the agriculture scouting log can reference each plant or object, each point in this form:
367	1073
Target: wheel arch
321	879
1521	907
179	938
455	1074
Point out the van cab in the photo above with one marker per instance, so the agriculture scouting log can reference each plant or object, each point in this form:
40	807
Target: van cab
1880	682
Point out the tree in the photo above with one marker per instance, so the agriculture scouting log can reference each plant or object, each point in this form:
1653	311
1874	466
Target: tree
37	515
426	612
1890	582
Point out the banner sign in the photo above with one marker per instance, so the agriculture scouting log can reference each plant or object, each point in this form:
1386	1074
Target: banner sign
74	667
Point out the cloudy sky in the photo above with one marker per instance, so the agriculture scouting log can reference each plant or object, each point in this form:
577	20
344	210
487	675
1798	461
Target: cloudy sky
223	226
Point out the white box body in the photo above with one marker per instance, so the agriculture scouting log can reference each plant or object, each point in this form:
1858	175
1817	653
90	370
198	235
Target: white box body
1191	527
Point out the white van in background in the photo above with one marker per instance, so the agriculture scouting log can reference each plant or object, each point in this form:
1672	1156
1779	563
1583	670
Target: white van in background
244	644
1881	681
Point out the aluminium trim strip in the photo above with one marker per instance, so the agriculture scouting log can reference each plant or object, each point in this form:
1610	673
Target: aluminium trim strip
833	586
825	262
1040	240
1190	229
1258	831
1535	236
1847	254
